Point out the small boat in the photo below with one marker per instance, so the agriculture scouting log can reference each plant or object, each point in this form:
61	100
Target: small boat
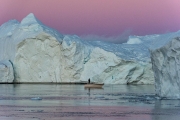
93	85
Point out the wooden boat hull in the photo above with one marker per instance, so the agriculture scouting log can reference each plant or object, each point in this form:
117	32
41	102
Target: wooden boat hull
93	85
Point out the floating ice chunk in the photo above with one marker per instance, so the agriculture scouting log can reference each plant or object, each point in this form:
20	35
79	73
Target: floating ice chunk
36	98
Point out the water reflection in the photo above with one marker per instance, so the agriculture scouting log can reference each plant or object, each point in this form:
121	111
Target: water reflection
114	101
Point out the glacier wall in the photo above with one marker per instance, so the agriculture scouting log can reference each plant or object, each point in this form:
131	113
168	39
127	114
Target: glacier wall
44	59
37	59
40	54
166	67
108	68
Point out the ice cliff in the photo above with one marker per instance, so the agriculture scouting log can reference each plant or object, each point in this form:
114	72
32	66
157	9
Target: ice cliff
41	54
6	72
166	67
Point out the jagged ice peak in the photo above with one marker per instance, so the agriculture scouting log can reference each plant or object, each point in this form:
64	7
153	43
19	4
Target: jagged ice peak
30	19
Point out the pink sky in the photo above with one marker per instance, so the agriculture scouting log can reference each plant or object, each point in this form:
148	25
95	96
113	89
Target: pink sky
99	17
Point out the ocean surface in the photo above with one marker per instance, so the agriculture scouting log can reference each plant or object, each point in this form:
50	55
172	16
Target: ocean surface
74	102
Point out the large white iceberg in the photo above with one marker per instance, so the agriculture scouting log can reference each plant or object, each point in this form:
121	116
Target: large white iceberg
166	67
41	54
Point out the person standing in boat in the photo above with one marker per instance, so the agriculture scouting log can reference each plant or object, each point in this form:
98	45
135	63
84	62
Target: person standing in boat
89	81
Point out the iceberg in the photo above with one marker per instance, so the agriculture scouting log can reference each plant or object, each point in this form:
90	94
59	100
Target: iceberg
166	67
6	72
40	54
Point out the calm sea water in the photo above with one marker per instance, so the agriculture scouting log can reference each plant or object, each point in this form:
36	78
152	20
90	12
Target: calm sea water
73	102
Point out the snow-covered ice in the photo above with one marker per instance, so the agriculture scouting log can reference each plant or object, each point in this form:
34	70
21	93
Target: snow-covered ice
41	54
166	67
6	72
